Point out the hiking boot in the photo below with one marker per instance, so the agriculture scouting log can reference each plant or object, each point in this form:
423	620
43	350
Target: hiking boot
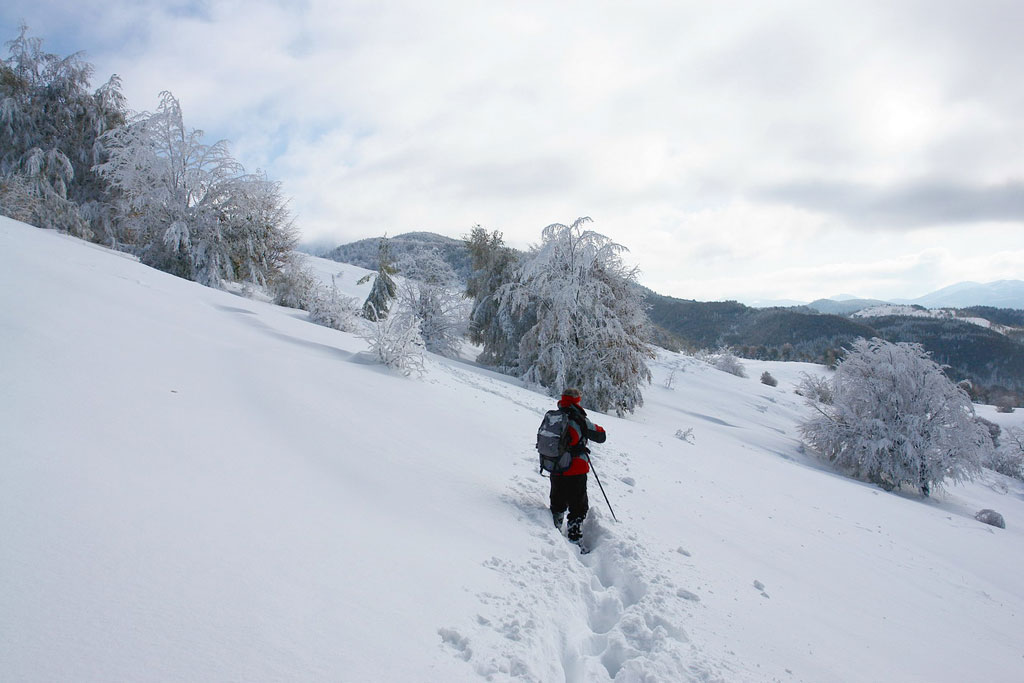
558	518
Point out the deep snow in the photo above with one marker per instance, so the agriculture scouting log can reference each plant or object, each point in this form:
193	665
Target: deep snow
199	486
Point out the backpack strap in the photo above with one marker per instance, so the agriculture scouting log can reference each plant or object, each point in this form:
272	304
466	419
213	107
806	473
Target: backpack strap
578	421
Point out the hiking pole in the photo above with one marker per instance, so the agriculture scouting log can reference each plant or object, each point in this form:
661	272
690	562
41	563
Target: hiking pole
598	479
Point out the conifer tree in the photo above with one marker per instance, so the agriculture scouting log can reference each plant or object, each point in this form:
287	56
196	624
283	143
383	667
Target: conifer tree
384	289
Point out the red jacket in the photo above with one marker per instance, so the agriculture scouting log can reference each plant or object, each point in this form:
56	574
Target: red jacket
580	464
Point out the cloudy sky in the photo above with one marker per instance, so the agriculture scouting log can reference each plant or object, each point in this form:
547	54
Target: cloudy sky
740	150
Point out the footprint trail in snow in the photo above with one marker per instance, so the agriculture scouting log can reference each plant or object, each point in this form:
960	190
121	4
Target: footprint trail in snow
608	615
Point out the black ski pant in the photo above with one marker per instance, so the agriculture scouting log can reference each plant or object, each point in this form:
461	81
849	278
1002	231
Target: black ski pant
570	493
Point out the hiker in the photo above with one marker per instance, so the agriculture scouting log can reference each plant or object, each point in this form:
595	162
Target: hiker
569	489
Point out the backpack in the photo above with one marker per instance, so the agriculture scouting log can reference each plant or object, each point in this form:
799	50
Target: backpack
553	442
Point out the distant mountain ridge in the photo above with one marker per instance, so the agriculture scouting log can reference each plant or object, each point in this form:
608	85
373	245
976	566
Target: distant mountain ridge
998	294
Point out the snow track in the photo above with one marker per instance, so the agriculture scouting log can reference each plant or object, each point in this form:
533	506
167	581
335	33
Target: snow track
612	614
608	615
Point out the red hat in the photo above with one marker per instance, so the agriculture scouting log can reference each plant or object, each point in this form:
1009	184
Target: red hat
570	397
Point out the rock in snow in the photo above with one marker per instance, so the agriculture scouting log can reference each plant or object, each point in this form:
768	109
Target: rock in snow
991	517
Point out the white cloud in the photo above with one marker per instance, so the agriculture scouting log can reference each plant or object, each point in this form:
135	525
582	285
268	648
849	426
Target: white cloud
665	122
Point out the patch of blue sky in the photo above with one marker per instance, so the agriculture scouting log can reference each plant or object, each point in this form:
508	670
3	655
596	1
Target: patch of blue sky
189	9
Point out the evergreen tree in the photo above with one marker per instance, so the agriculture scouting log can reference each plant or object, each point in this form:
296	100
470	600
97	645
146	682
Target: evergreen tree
895	418
384	290
590	330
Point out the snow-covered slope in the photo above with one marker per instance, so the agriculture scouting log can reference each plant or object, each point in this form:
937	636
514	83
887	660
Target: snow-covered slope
344	276
197	486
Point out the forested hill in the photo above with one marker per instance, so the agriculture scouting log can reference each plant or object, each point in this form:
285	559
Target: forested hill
363	253
992	360
755	332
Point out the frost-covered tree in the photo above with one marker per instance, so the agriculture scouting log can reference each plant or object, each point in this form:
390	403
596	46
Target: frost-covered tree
295	284
384	289
395	341
189	208
430	292
328	307
490	326
172	187
50	138
725	361
259	234
1007	457
896	419
590	330
814	388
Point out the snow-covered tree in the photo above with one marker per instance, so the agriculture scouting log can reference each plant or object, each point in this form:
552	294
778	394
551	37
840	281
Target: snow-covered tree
50	138
590	329
189	208
172	187
328	307
725	361
896	419
1007	457
490	326
295	284
430	292
257	226
814	388
384	289
395	341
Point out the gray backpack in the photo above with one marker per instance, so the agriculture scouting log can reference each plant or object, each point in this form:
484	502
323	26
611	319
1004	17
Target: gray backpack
553	442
